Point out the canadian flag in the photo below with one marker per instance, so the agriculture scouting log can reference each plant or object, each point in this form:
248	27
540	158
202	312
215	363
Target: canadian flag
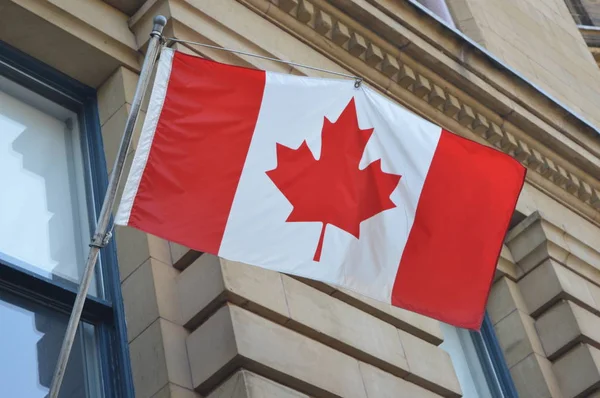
318	178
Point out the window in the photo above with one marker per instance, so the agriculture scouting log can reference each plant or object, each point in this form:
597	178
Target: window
439	8
53	177
585	12
478	362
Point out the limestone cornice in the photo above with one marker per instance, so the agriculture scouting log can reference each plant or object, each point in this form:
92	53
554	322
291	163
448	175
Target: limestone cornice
438	76
414	60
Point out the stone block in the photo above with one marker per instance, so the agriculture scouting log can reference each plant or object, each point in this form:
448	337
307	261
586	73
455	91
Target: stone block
451	106
389	65
305	11
578	371
117	90
517	337
181	256
422	86
405	76
158	356
340	34
381	384
565	325
234	337
437	96
174	342
550	282
323	22
374	55
175	391
246	384
423	327
135	247
534	378
357	44
132	250
529	235
466	116
430	366
504	298
139	300
210	281
344	327
150	292
112	133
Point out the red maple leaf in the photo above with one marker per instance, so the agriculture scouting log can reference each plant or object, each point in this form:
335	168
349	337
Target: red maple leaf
333	190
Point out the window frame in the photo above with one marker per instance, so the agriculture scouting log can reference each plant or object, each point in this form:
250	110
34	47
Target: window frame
107	314
492	361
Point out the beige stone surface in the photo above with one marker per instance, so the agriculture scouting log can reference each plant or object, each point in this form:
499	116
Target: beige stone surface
504	298
578	371
566	324
181	256
517	337
537	239
133	249
353	331
381	384
246	384
61	39
550	282
149	292
112	133
209	281
534	378
148	363
117	90
541	41
233	335
159	356
139	300
430	366
421	326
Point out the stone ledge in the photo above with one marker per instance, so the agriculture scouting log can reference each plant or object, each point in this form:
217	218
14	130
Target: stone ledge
536	239
210	282
234	338
87	50
566	324
550	282
578	371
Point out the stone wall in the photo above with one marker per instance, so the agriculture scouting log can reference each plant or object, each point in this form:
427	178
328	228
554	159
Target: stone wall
540	40
202	326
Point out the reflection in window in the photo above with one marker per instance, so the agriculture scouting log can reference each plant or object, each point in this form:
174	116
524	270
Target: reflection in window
30	340
43	214
459	344
439	8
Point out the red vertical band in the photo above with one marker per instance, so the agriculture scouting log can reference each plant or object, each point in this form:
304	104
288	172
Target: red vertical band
198	152
463	213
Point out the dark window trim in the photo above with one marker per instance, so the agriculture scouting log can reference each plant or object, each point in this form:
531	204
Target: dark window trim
109	314
492	360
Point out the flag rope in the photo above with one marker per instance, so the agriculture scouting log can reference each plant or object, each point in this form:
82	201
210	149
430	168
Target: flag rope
358	80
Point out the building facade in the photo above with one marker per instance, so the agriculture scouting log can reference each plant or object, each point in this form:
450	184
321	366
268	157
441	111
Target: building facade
165	321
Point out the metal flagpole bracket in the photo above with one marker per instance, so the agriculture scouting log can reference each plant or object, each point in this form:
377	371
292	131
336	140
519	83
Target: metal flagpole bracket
102	235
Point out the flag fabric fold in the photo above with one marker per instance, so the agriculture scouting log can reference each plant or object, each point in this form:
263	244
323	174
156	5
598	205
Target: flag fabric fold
317	178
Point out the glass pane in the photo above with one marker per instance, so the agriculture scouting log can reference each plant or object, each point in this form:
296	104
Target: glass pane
469	371
30	339
43	210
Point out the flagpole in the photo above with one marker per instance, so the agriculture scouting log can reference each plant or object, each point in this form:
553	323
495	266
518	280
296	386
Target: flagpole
102	235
